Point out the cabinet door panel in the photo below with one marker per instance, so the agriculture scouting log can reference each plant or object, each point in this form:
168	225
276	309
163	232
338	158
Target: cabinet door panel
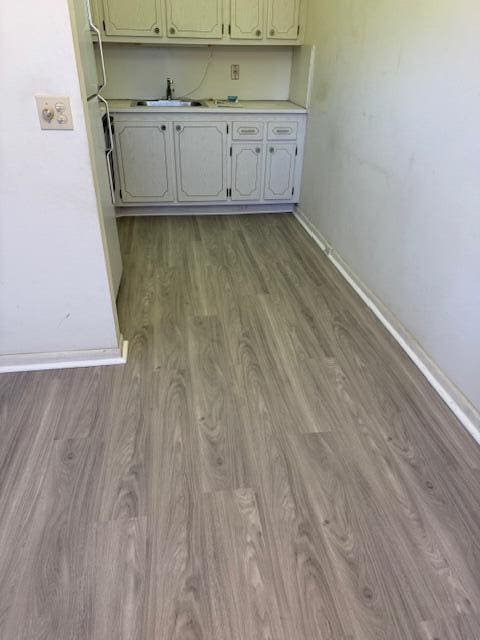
283	19
247	168
194	18
280	171
145	154
246	19
201	157
133	17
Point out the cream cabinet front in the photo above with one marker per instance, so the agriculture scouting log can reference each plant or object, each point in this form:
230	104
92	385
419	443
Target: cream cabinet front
133	18
222	22
183	160
280	171
247	168
145	160
195	19
201	161
247	19
283	22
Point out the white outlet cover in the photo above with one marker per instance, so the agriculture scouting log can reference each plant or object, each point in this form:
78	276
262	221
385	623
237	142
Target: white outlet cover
59	112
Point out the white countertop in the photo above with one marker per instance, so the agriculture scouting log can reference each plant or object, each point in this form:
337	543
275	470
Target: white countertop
243	106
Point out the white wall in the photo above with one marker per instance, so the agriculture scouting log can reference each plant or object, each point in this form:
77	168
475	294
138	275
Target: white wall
392	171
141	71
54	289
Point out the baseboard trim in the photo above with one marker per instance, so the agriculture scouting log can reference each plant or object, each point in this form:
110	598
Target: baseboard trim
458	403
199	210
64	360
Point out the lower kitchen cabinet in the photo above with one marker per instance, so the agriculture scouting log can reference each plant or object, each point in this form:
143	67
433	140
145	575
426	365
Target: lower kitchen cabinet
247	170
146	162
280	171
198	160
201	157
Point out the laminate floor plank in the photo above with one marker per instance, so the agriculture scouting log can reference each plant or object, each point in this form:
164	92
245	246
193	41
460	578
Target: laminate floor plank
31	418
269	464
239	571
54	599
215	406
126	429
458	627
119	551
170	323
177	602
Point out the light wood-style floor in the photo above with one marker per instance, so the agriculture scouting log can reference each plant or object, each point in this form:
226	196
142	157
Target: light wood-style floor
269	465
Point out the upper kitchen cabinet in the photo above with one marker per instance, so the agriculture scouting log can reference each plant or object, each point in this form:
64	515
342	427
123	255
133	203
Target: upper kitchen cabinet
194	19
133	18
221	22
247	19
283	21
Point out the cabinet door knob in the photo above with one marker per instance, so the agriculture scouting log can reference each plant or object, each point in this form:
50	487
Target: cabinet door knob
157	30
258	33
164	127
178	127
272	150
272	32
171	30
257	150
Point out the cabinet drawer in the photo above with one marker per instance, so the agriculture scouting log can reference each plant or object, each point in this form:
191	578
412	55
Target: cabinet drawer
247	130
282	130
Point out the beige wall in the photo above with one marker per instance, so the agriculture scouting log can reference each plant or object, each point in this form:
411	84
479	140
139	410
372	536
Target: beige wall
54	287
141	71
392	171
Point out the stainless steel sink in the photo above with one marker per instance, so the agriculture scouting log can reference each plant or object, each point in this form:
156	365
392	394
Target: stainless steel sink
169	103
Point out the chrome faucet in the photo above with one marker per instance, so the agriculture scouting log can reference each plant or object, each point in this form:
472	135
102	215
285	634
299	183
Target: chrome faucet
170	89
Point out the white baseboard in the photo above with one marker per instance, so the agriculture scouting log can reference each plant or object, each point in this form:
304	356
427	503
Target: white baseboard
64	360
199	210
459	404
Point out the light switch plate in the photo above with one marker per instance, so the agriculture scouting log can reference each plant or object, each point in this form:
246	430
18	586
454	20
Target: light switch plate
54	112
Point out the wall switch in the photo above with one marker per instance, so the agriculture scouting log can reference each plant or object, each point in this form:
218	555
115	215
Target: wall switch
235	72
54	112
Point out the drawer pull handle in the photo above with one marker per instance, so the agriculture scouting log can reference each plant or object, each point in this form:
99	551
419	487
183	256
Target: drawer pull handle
283	131
248	131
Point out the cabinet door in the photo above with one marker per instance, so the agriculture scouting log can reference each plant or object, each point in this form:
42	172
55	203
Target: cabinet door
246	19
280	171
133	17
194	18
146	161
201	158
283	19
247	167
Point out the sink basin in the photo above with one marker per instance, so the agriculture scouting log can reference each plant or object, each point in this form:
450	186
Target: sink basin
169	103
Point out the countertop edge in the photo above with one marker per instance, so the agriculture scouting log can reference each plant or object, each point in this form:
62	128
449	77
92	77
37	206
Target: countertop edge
290	109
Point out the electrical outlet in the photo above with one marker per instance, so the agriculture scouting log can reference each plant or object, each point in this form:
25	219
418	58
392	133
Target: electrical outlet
54	112
235	72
